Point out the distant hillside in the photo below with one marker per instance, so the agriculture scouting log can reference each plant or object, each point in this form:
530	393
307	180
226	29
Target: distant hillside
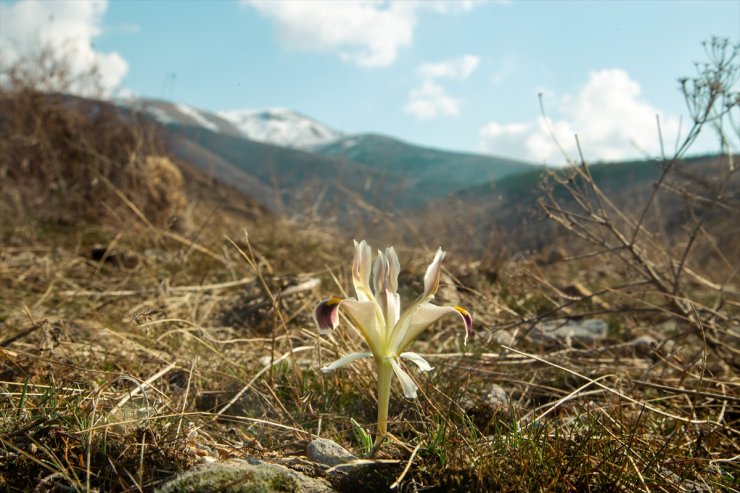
391	174
271	155
282	178
92	163
508	211
479	203
611	177
431	173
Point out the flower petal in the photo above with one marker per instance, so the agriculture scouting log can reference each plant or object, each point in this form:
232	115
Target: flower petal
326	314
418	360
467	320
361	267
365	317
385	284
407	383
344	360
432	276
424	315
393	309
431	285
386	270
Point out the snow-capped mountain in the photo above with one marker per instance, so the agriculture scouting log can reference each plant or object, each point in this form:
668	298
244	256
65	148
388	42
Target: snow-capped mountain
281	127
277	126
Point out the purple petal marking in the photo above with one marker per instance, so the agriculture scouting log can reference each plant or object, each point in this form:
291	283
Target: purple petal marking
326	314
467	319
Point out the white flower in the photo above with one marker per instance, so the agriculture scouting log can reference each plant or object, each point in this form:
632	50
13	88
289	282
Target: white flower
377	315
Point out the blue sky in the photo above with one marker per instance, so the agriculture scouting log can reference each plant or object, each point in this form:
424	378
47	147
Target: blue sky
458	75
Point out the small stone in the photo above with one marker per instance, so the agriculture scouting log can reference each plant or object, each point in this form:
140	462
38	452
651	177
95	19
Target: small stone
644	344
644	340
497	396
504	338
241	476
569	331
328	452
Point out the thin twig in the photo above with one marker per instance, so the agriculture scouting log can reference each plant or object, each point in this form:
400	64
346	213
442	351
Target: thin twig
609	389
405	469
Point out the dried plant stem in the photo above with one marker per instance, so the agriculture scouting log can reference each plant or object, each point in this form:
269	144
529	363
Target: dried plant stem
643	404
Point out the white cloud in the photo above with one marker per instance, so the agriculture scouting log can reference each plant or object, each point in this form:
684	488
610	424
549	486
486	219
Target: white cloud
458	68
429	99
369	33
68	26
450	6
611	119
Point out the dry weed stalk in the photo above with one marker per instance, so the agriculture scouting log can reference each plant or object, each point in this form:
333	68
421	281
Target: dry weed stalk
659	269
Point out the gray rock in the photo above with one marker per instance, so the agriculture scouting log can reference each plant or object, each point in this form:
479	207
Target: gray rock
504	338
241	476
644	340
497	396
328	452
644	343
568	331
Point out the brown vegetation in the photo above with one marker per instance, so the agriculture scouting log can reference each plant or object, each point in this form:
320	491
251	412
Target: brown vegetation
68	159
130	351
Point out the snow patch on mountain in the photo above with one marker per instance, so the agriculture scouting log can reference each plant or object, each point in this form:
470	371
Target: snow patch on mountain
350	143
281	127
196	115
277	126
160	114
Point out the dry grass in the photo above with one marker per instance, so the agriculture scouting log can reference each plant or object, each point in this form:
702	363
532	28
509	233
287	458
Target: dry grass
130	350
65	159
115	377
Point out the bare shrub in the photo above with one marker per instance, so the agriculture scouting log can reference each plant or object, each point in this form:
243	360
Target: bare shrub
66	159
677	252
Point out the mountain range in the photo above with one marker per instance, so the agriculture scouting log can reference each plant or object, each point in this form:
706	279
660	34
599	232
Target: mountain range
286	160
293	165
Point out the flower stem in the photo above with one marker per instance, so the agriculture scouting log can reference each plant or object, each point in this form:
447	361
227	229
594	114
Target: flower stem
385	372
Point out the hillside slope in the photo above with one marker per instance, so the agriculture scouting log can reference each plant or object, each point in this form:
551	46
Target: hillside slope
508	211
290	178
430	173
383	171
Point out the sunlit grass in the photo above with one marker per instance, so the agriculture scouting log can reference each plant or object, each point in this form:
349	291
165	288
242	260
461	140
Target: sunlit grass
62	388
